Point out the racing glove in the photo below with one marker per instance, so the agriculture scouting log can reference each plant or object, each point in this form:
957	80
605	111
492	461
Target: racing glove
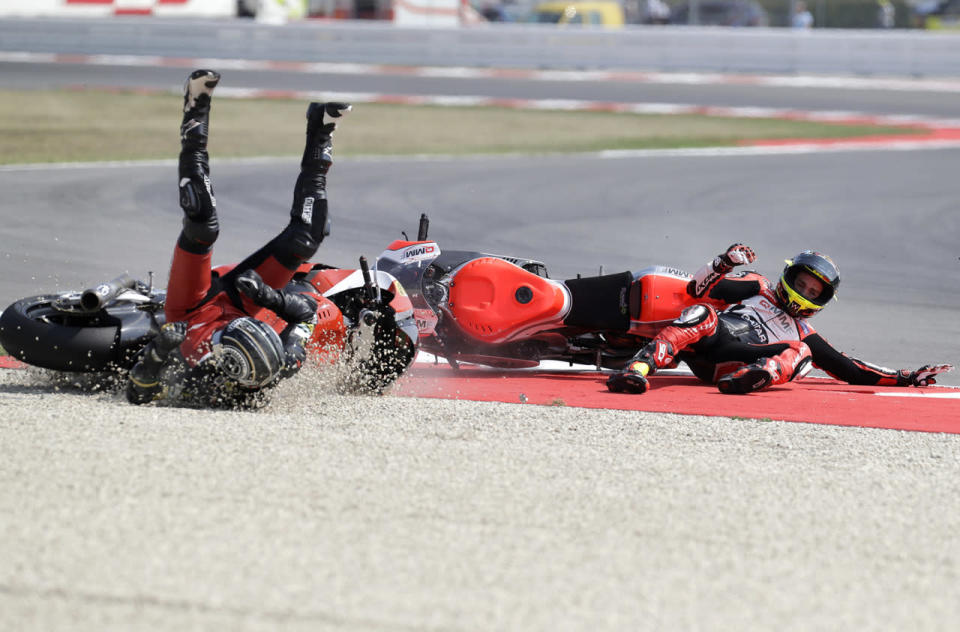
292	307
924	376
736	255
295	339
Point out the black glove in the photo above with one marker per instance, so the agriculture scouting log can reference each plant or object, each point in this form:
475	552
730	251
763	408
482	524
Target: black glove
736	255
924	376
292	307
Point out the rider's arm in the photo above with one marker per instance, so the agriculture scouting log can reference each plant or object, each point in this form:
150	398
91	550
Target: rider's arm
292	307
298	310
854	371
714	274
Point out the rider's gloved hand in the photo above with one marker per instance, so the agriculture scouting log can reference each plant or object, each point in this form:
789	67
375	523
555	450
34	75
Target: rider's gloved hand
295	341
292	307
632	379
924	376
736	255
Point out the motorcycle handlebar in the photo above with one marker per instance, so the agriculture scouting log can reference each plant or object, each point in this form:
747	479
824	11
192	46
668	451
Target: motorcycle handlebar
96	298
424	226
369	293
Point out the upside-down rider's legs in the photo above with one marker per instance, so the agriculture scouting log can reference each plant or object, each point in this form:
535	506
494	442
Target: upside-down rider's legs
190	268
278	260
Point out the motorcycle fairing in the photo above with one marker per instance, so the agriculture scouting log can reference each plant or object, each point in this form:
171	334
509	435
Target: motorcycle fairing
658	295
331	281
497	301
406	252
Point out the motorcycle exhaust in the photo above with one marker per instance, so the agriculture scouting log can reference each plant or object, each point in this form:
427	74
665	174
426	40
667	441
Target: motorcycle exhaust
97	298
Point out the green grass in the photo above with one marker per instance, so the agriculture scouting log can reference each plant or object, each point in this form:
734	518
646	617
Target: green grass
68	126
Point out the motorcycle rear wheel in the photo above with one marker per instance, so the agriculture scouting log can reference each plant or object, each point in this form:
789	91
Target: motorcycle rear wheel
33	331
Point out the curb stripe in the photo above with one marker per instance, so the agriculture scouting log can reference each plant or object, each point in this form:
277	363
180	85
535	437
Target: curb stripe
948	85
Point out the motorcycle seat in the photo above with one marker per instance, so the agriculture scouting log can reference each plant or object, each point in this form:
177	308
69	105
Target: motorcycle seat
495	300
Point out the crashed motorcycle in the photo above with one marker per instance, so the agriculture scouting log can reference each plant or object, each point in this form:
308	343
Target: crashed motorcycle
506	312
364	320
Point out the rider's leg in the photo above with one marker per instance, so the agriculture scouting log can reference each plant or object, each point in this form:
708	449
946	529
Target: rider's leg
695	323
791	363
190	269
277	261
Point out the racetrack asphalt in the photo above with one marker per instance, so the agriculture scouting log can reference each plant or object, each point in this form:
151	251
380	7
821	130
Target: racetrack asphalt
358	513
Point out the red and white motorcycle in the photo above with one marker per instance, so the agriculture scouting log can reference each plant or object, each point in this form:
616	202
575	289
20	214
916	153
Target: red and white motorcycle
507	312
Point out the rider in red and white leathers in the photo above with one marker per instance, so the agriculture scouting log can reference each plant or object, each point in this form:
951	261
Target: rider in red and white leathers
216	328
764	337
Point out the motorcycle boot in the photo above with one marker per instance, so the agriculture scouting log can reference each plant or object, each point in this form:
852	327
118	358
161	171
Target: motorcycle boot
655	355
309	220
200	225
750	378
790	364
632	379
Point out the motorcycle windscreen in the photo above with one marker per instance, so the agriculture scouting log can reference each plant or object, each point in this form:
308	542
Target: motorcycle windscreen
494	300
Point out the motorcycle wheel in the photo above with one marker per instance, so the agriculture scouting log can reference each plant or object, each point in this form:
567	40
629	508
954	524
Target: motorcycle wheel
33	331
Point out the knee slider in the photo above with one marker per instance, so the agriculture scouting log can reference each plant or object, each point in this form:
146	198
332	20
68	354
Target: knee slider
803	367
694	315
295	245
196	198
803	363
201	233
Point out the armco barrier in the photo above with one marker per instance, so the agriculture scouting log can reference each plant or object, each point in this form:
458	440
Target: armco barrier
654	48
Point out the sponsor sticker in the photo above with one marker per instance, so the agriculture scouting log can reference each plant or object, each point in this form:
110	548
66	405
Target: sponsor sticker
426	321
419	252
306	213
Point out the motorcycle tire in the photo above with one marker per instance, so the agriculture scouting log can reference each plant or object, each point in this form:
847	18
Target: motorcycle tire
33	331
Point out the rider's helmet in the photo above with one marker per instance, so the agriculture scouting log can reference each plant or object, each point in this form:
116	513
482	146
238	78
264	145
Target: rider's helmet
820	266
249	352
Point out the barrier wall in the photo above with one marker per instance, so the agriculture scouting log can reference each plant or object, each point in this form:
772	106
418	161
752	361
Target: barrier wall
106	8
652	48
443	13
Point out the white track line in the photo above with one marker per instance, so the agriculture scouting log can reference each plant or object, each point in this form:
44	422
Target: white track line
899	84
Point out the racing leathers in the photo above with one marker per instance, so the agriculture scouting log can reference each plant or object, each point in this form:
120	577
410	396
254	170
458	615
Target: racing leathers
753	343
220	339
